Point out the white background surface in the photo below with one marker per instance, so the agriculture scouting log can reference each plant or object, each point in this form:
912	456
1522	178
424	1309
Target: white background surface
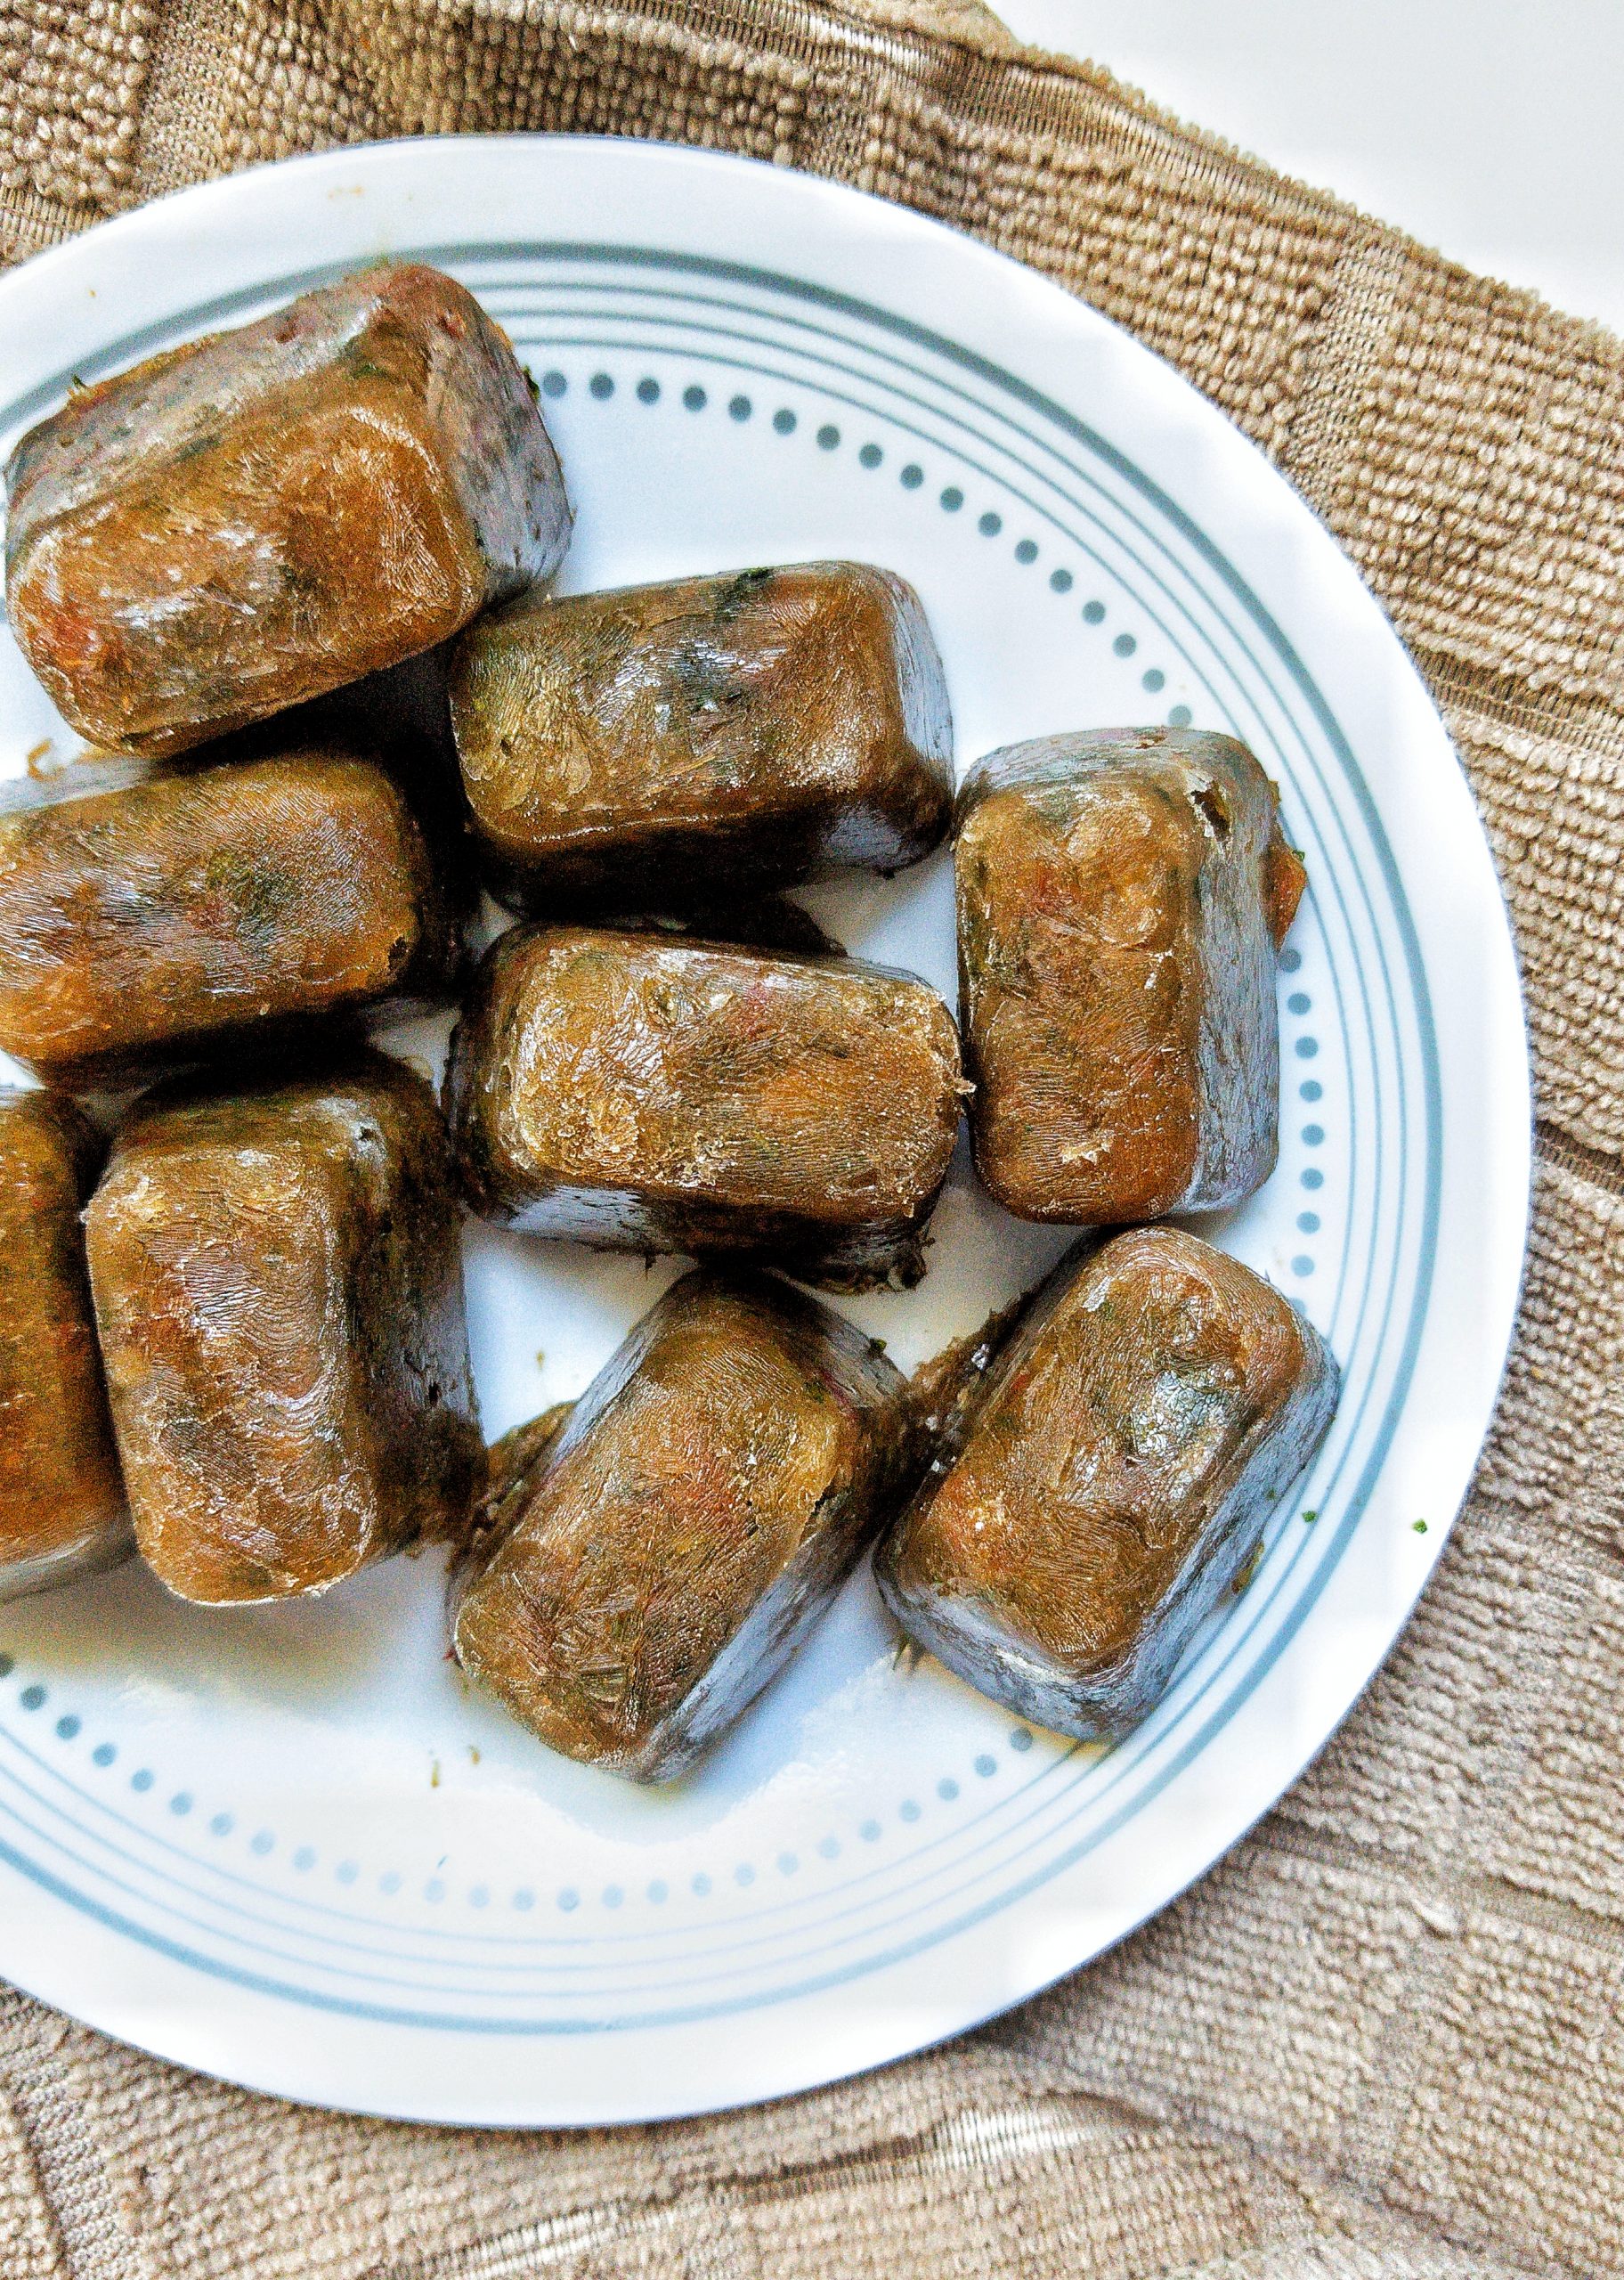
1488	128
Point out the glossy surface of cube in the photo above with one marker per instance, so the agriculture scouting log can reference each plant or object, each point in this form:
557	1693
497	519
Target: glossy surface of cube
155	913
1122	900
278	1283
62	1502
247	521
1129	1444
648	1092
713	735
651	1568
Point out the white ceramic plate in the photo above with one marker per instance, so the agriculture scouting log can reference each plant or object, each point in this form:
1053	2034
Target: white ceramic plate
287	1844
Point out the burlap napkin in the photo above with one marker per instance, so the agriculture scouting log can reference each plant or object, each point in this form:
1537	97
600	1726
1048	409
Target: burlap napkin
1387	2037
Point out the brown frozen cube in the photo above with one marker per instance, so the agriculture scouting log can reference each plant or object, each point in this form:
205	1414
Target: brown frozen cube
758	728
152	913
265	514
1123	896
1120	1461
277	1282
642	1091
62	1502
652	1567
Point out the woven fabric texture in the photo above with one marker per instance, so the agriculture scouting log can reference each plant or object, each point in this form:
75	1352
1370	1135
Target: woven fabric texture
1381	2040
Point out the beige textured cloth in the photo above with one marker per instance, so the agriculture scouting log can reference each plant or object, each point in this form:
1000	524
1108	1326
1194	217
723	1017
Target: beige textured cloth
1387	2037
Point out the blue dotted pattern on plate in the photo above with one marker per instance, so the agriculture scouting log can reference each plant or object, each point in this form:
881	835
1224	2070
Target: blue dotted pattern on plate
871	456
304	1858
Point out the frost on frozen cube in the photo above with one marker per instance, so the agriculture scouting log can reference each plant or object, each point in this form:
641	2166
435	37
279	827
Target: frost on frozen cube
1112	1480
278	1286
62	1503
673	741
651	1568
151	912
269	513
641	1091
1123	896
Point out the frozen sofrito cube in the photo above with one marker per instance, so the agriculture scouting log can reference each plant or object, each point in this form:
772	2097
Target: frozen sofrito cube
278	1284
1123	896
645	1092
1148	1412
265	514
151	912
648	745
650	1568
61	1503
